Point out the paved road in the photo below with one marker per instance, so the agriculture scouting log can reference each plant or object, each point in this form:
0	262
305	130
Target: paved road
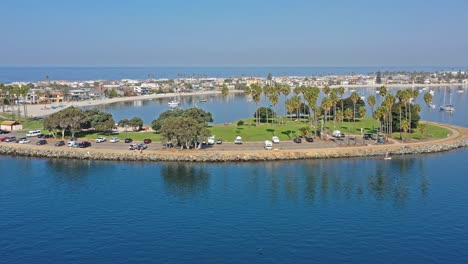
225	146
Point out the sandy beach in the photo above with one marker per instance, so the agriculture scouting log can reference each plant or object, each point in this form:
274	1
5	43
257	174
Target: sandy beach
41	110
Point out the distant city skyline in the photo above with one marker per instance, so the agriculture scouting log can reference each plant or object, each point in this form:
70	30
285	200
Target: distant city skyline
234	33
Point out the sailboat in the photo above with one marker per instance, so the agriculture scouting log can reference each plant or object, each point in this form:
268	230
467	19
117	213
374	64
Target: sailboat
447	107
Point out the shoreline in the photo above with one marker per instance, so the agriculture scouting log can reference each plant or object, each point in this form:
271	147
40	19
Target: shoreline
39	110
458	139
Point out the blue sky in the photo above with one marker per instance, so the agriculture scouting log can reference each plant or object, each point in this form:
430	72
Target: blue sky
233	33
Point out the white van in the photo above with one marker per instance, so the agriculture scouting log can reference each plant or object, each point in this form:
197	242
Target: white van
238	140
211	140
33	133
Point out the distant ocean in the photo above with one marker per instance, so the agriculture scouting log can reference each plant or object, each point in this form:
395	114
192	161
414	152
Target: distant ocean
32	74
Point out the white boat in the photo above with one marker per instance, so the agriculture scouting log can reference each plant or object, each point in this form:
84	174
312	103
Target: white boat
447	107
173	103
387	156
363	98
431	92
432	105
460	91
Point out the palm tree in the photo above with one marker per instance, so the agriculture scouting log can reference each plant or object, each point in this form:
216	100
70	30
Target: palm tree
326	106
274	99
341	91
334	100
296	101
371	102
326	90
285	90
383	91
289	103
428	98
354	98
256	91
247	92
268	91
24	90
389	101
405	126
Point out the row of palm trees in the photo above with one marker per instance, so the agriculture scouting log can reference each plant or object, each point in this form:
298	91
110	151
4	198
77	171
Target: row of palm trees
310	94
9	97
331	99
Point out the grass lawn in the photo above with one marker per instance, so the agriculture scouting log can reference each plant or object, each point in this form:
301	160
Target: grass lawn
250	132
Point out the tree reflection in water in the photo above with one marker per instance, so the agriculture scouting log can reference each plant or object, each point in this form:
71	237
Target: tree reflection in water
185	180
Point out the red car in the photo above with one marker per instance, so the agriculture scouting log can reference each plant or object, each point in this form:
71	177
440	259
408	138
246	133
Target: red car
3	139
147	141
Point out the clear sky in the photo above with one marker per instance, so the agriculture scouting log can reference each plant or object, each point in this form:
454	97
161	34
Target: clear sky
234	33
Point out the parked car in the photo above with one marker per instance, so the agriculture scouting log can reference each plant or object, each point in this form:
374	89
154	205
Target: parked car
59	143
23	140
309	139
238	140
275	139
10	139
38	135
100	139
3	139
219	141
2	131
128	140
84	144
72	144
41	142
114	140
33	133
147	141
297	140
338	134
137	146
268	145
211	140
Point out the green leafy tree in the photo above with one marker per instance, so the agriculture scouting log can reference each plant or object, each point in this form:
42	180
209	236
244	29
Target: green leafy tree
224	90
125	123
136	123
263	114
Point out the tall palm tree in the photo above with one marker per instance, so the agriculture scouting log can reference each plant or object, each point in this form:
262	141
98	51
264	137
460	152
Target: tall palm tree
341	91
289	104
334	100
268	91
247	92
256	92
354	99
326	106
24	90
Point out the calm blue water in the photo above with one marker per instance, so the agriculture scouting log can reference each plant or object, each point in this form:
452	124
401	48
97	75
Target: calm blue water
412	209
409	210
11	74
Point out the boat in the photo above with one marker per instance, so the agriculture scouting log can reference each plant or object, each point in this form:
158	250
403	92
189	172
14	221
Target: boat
203	100
387	156
447	107
432	105
173	103
460	91
431	92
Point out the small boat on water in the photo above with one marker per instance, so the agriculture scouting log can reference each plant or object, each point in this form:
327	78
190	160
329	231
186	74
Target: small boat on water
387	156
432	105
173	103
431	92
447	108
203	100
460	91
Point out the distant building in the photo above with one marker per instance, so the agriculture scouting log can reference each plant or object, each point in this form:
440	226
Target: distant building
11	125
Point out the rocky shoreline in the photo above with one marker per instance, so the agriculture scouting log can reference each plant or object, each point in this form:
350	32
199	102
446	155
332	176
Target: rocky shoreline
459	141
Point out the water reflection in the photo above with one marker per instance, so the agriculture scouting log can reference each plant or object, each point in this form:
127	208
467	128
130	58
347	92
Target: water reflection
184	180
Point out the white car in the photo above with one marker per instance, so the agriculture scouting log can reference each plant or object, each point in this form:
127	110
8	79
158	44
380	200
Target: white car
211	140
275	139
238	140
114	140
268	145
24	141
100	139
72	144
